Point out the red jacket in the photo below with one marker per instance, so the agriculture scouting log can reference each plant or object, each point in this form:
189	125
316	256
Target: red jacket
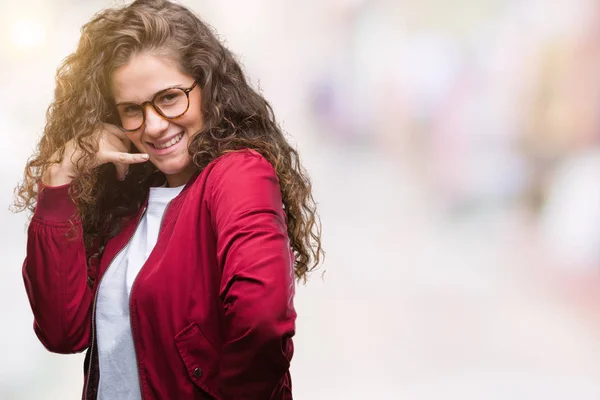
212	312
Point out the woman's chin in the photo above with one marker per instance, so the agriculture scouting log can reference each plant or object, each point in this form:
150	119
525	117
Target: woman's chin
178	172
173	165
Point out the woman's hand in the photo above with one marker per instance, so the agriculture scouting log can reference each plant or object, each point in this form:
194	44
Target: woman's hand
113	146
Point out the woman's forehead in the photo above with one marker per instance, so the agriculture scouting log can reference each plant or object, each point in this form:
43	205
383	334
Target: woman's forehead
144	75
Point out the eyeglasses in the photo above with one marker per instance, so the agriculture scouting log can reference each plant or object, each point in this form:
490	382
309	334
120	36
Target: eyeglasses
170	103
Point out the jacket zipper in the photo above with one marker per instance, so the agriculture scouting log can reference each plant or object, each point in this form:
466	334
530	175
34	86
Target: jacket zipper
131	296
87	383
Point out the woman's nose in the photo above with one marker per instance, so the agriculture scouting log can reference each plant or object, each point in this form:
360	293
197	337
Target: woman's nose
155	123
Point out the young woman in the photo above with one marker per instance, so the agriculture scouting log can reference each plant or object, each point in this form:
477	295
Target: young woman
170	216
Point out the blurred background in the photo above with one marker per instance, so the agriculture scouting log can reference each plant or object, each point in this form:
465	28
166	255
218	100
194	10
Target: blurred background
454	148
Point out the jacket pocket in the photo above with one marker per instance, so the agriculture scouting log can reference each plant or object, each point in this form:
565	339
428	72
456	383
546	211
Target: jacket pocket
200	358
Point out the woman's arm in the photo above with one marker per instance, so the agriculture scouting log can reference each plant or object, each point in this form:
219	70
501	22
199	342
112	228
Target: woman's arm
55	270
257	285
55	273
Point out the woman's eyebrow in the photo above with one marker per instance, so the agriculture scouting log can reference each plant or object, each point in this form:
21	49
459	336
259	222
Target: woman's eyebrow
179	86
122	103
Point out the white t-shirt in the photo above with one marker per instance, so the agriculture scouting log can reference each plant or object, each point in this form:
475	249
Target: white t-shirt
119	377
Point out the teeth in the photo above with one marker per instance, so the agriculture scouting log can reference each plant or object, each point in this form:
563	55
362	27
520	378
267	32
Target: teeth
170	142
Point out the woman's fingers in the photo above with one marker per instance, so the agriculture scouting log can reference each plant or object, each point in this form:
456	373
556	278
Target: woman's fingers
116	150
122	171
115	131
113	146
123	160
117	138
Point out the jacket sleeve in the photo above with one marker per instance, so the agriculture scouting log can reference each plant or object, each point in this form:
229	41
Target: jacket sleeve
55	273
257	285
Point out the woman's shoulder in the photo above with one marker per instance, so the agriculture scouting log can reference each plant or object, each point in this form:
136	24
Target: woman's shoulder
238	156
238	164
237	174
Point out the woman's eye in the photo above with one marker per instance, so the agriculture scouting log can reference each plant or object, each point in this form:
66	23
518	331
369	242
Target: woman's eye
168	98
131	109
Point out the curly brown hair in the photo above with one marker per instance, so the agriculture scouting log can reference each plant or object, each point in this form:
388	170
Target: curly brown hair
235	117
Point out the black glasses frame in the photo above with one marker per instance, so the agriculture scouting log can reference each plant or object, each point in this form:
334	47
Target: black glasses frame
157	109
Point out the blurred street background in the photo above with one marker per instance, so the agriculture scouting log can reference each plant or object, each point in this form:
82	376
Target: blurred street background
454	148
